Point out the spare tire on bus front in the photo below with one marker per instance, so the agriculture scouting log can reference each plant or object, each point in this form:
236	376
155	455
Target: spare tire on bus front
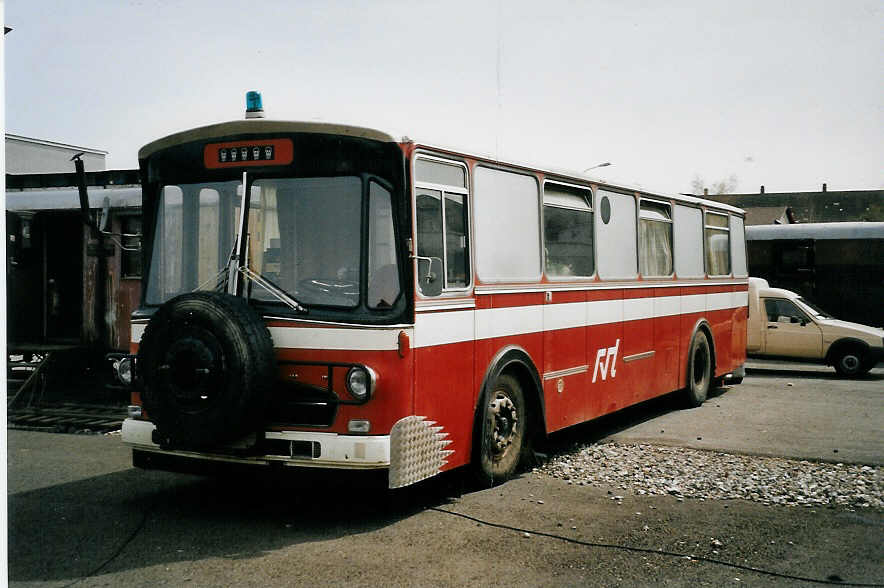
207	363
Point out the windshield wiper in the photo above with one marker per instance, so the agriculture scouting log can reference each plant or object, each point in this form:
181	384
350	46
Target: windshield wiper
273	289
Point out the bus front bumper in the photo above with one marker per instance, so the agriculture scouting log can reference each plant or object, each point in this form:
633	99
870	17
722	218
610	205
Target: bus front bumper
287	448
415	449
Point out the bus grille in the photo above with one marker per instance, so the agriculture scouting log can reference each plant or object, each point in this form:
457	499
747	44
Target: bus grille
302	406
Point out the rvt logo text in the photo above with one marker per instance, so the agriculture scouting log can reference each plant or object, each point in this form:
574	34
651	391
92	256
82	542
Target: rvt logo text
604	358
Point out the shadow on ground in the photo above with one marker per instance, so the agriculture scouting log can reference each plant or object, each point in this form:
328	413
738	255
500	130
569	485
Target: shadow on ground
134	519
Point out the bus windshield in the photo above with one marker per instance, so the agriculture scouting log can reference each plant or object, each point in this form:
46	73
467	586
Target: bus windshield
305	235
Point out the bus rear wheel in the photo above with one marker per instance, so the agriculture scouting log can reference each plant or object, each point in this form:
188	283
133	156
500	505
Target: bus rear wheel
502	431
699	370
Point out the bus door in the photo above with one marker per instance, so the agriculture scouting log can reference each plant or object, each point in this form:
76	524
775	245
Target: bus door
445	316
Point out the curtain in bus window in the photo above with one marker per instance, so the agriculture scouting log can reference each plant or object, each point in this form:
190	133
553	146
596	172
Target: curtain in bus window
655	239
383	273
717	245
655	253
193	237
209	262
166	258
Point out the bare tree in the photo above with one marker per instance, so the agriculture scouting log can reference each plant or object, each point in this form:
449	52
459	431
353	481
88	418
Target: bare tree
725	186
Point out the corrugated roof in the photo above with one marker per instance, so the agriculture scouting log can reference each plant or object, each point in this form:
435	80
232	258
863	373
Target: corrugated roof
69	199
850	230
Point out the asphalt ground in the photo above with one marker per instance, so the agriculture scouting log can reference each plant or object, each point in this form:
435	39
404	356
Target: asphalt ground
80	515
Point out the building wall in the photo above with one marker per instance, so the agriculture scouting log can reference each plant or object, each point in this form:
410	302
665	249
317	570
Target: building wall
28	156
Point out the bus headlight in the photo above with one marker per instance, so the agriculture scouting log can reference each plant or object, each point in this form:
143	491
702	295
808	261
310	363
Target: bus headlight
360	382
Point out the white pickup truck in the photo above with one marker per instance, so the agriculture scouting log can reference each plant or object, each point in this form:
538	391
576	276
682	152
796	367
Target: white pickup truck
784	325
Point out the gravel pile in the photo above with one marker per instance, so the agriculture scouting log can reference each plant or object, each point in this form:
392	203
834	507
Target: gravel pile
689	473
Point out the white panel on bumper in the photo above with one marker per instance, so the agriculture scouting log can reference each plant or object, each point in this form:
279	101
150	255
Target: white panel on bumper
342	451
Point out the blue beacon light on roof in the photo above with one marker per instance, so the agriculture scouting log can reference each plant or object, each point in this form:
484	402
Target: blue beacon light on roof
254	106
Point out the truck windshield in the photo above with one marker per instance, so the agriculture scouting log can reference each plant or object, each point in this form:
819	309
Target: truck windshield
305	235
813	308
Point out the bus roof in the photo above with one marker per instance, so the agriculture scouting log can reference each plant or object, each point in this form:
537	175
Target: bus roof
574	176
262	125
848	230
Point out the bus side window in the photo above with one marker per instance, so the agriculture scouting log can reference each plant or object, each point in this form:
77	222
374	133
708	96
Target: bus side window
738	247
616	230
718	261
688	241
442	218
655	239
567	230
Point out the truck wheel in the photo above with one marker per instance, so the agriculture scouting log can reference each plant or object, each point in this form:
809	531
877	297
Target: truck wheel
208	366
699	370
502	430
850	362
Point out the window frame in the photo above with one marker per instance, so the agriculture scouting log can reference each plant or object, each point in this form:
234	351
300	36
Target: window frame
726	229
468	224
590	209
670	221
124	254
804	318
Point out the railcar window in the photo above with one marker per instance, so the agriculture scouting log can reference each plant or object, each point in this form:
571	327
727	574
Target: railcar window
567	230
717	244
655	239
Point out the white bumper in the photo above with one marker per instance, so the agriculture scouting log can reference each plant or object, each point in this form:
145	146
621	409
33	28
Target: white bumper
296	448
414	450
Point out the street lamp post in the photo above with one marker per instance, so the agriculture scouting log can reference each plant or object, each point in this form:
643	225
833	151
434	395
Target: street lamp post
606	164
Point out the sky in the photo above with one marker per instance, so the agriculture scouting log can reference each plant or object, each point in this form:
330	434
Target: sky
785	94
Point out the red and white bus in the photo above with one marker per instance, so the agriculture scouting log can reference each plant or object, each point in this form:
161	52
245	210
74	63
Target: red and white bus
330	296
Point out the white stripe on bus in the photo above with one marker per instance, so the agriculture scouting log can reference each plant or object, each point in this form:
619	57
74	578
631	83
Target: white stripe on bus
442	328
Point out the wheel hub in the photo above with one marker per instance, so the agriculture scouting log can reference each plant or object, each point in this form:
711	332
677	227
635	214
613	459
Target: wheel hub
504	422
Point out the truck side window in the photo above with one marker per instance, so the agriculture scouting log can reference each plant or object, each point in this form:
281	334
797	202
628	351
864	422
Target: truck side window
779	310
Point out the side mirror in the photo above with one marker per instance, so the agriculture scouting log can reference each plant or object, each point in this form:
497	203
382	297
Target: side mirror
429	275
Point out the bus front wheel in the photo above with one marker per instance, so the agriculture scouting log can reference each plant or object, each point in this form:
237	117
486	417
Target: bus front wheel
502	431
